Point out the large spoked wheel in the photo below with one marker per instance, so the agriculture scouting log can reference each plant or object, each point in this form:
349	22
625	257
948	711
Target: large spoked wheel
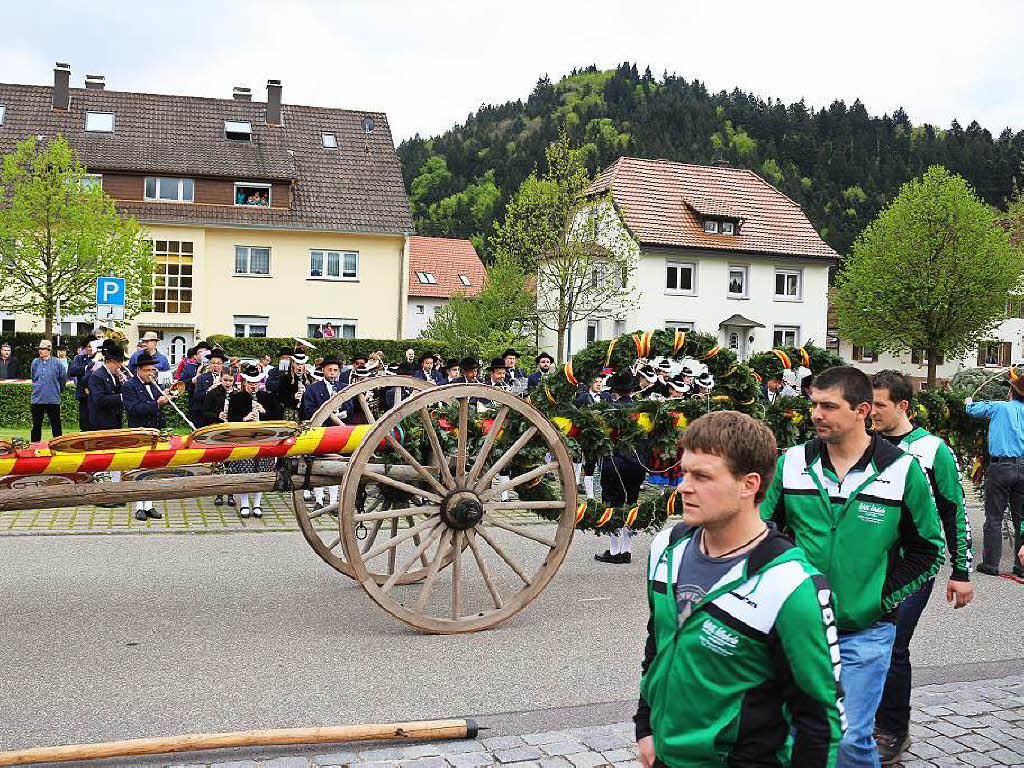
462	506
371	398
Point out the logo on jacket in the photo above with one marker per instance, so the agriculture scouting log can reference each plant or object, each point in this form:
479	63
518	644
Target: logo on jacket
870	512
718	639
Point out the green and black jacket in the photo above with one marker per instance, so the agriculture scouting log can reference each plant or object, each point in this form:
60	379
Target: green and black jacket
875	535
939	464
756	659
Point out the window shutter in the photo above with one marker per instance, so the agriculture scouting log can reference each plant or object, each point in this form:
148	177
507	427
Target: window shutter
856	352
1006	353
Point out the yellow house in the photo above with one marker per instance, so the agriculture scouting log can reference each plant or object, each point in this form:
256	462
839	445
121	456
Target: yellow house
267	219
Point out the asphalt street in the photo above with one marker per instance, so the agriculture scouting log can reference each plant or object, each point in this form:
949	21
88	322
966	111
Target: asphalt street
122	636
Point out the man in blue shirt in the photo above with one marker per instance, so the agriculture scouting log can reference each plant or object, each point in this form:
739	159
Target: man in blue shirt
48	379
1004	484
149	342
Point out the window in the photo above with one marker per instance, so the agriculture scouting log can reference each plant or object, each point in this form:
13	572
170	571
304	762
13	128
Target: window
788	284
1015	307
99	122
593	331
7	326
995	353
91	181
738	282
864	354
728	228
420	309
678	325
252	194
787	336
334	265
251	260
75	328
619	328
344	328
680	277
3	113
254	326
177	350
920	357
237	130
330	140
169	189
711	225
427	278
172	276
464	279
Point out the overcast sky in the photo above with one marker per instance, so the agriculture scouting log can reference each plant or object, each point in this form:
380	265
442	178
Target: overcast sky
428	64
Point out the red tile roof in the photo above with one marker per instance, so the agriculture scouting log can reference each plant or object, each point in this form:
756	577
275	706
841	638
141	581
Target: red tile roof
662	203
445	259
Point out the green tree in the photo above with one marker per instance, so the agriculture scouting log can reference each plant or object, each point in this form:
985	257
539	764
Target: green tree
58	234
498	317
932	272
576	247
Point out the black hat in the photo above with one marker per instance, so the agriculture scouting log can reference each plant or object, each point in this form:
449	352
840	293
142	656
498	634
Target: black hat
113	352
426	356
109	344
219	354
648	372
285	352
453	363
299	355
542	355
469	364
496	363
510	351
143	360
203	345
330	360
679	384
621	381
250	373
686	371
360	356
706	380
665	365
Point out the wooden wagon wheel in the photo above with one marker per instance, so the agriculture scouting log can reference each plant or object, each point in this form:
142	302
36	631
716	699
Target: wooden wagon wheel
367	394
505	566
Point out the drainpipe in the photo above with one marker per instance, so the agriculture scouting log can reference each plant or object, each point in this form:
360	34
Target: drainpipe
403	287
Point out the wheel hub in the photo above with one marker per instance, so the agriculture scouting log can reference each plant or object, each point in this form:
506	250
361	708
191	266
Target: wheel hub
462	510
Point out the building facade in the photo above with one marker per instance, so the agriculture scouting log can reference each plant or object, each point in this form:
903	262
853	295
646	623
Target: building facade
439	268
720	251
265	218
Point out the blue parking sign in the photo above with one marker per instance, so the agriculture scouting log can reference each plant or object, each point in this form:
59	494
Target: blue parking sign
110	290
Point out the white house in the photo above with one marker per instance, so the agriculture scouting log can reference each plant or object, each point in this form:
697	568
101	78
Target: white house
439	267
720	251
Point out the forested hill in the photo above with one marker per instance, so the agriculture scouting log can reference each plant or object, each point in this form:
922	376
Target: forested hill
841	163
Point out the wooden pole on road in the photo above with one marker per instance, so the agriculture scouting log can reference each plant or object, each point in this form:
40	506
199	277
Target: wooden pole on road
426	729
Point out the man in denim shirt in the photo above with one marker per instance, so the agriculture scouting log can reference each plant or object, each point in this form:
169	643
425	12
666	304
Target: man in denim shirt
48	379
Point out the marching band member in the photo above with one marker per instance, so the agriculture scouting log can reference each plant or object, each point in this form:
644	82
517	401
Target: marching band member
592	394
104	406
450	373
470	368
318	393
513	371
359	359
213	407
249	403
79	370
292	385
143	401
202	382
544	362
426	371
497	373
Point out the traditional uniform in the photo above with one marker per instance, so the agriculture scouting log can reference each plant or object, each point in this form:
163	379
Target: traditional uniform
140	404
242	405
622	475
534	378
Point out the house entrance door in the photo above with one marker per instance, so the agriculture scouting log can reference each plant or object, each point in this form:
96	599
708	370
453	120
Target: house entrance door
736	340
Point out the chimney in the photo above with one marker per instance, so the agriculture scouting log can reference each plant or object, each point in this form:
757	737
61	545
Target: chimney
61	85
241	94
273	102
95	82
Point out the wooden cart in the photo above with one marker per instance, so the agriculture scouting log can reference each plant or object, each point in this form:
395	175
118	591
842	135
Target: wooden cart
428	483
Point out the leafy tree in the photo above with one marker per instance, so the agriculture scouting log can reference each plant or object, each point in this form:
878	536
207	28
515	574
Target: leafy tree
58	234
577	249
499	316
932	272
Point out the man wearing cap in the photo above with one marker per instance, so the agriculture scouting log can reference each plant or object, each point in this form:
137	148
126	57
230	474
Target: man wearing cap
544	362
149	342
202	383
143	401
512	369
1004	482
621	474
48	380
104	407
9	366
426	370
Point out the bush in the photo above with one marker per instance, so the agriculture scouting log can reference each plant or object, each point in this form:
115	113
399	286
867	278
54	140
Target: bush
394	350
24	346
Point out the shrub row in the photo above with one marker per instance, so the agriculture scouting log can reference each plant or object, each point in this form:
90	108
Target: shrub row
394	350
15	412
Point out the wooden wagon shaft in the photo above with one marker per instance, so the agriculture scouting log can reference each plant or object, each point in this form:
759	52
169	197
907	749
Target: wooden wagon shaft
427	729
85	494
320	440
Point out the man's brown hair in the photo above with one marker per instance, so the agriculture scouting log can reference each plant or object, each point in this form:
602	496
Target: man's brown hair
745	444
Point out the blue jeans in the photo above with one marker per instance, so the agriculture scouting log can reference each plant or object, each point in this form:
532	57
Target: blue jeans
893	714
865	659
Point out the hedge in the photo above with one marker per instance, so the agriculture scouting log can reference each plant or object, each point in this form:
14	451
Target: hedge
15	413
24	348
394	350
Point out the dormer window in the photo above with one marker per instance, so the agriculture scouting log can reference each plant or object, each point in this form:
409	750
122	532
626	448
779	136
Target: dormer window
330	140
711	225
427	278
465	280
252	194
3	113
99	122
235	130
728	228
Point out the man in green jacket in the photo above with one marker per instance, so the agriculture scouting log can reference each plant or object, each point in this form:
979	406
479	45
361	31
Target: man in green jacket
890	419
862	510
741	650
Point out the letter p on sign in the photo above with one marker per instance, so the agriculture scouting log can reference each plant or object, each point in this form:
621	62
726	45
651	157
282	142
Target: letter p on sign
110	290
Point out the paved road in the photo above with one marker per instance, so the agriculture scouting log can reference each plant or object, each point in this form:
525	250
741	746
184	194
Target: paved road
107	637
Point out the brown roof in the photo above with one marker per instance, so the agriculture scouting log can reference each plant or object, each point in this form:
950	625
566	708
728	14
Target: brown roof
354	188
445	259
662	203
